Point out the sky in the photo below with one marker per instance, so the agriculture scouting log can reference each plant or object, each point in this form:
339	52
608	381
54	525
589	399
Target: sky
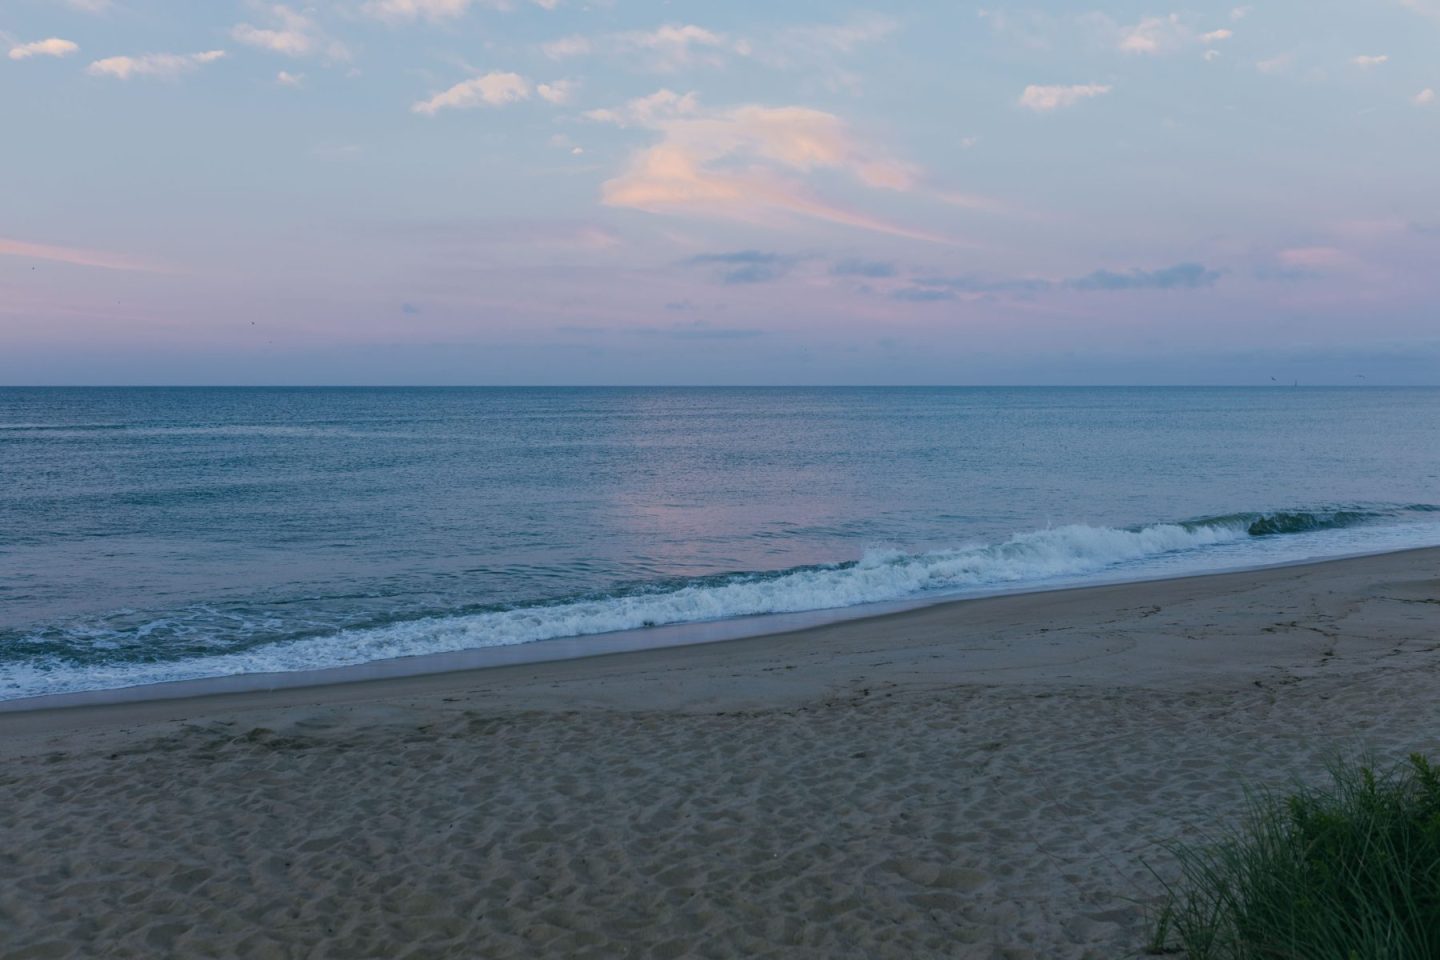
783	192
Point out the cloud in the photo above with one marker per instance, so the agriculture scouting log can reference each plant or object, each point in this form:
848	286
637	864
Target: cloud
747	266
1031	28
1240	13
572	46
338	152
51	47
1180	276
1316	258
1046	98
1154	35
78	256
665	49
672	47
463	236
493	89
1212	55
699	330
1161	35
837	37
435	11
1424	98
403	10
923	294
1276	64
163	65
287	79
293	34
1426	8
1364	61
647	110
558	91
742	162
818	49
813	48
874	269
89	6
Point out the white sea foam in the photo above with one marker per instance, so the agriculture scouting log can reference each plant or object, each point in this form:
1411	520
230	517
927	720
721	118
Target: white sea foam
1070	554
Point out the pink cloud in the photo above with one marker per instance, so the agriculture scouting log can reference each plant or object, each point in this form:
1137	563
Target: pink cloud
1317	258
79	256
747	163
1043	99
493	89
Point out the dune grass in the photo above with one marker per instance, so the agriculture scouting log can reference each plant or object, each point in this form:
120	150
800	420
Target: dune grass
1346	871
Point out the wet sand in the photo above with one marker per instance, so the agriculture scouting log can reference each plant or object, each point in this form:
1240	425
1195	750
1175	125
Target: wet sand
988	778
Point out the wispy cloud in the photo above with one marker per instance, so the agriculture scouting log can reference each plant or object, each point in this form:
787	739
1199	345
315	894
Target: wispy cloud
287	79
50	47
820	50
1424	98
403	10
1149	36
647	110
1426	8
813	47
79	256
844	37
565	47
557	91
1043	99
336	152
493	89
163	65
290	33
1299	261
1181	276
1154	35
1276	64
872	269
671	47
665	49
747	266
746	163
699	330
923	294
1363	61
90	6
435	11
1030	28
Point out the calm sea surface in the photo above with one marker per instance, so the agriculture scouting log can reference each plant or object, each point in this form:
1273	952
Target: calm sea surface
156	534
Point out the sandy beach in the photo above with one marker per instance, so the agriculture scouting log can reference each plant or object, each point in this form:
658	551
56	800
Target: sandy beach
979	779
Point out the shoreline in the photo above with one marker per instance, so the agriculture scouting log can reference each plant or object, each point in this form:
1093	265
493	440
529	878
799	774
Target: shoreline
587	646
992	779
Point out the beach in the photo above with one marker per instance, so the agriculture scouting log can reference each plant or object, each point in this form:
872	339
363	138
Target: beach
986	778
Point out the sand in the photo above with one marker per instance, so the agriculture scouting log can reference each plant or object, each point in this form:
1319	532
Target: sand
979	779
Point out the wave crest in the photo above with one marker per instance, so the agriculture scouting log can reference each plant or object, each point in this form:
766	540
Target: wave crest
1066	554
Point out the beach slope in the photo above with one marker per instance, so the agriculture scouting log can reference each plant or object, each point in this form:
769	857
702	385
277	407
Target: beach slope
986	778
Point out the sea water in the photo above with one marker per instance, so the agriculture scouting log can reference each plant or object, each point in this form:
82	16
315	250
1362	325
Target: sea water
149	535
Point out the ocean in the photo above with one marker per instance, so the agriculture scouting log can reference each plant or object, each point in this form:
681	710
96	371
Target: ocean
149	535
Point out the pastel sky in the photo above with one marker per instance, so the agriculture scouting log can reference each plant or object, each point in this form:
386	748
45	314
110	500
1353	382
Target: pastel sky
553	191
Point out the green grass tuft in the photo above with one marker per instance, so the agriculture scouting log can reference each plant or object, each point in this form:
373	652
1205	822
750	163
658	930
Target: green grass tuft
1350	871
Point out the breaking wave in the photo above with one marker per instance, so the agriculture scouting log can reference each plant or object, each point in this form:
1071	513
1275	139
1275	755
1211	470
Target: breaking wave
1066	554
